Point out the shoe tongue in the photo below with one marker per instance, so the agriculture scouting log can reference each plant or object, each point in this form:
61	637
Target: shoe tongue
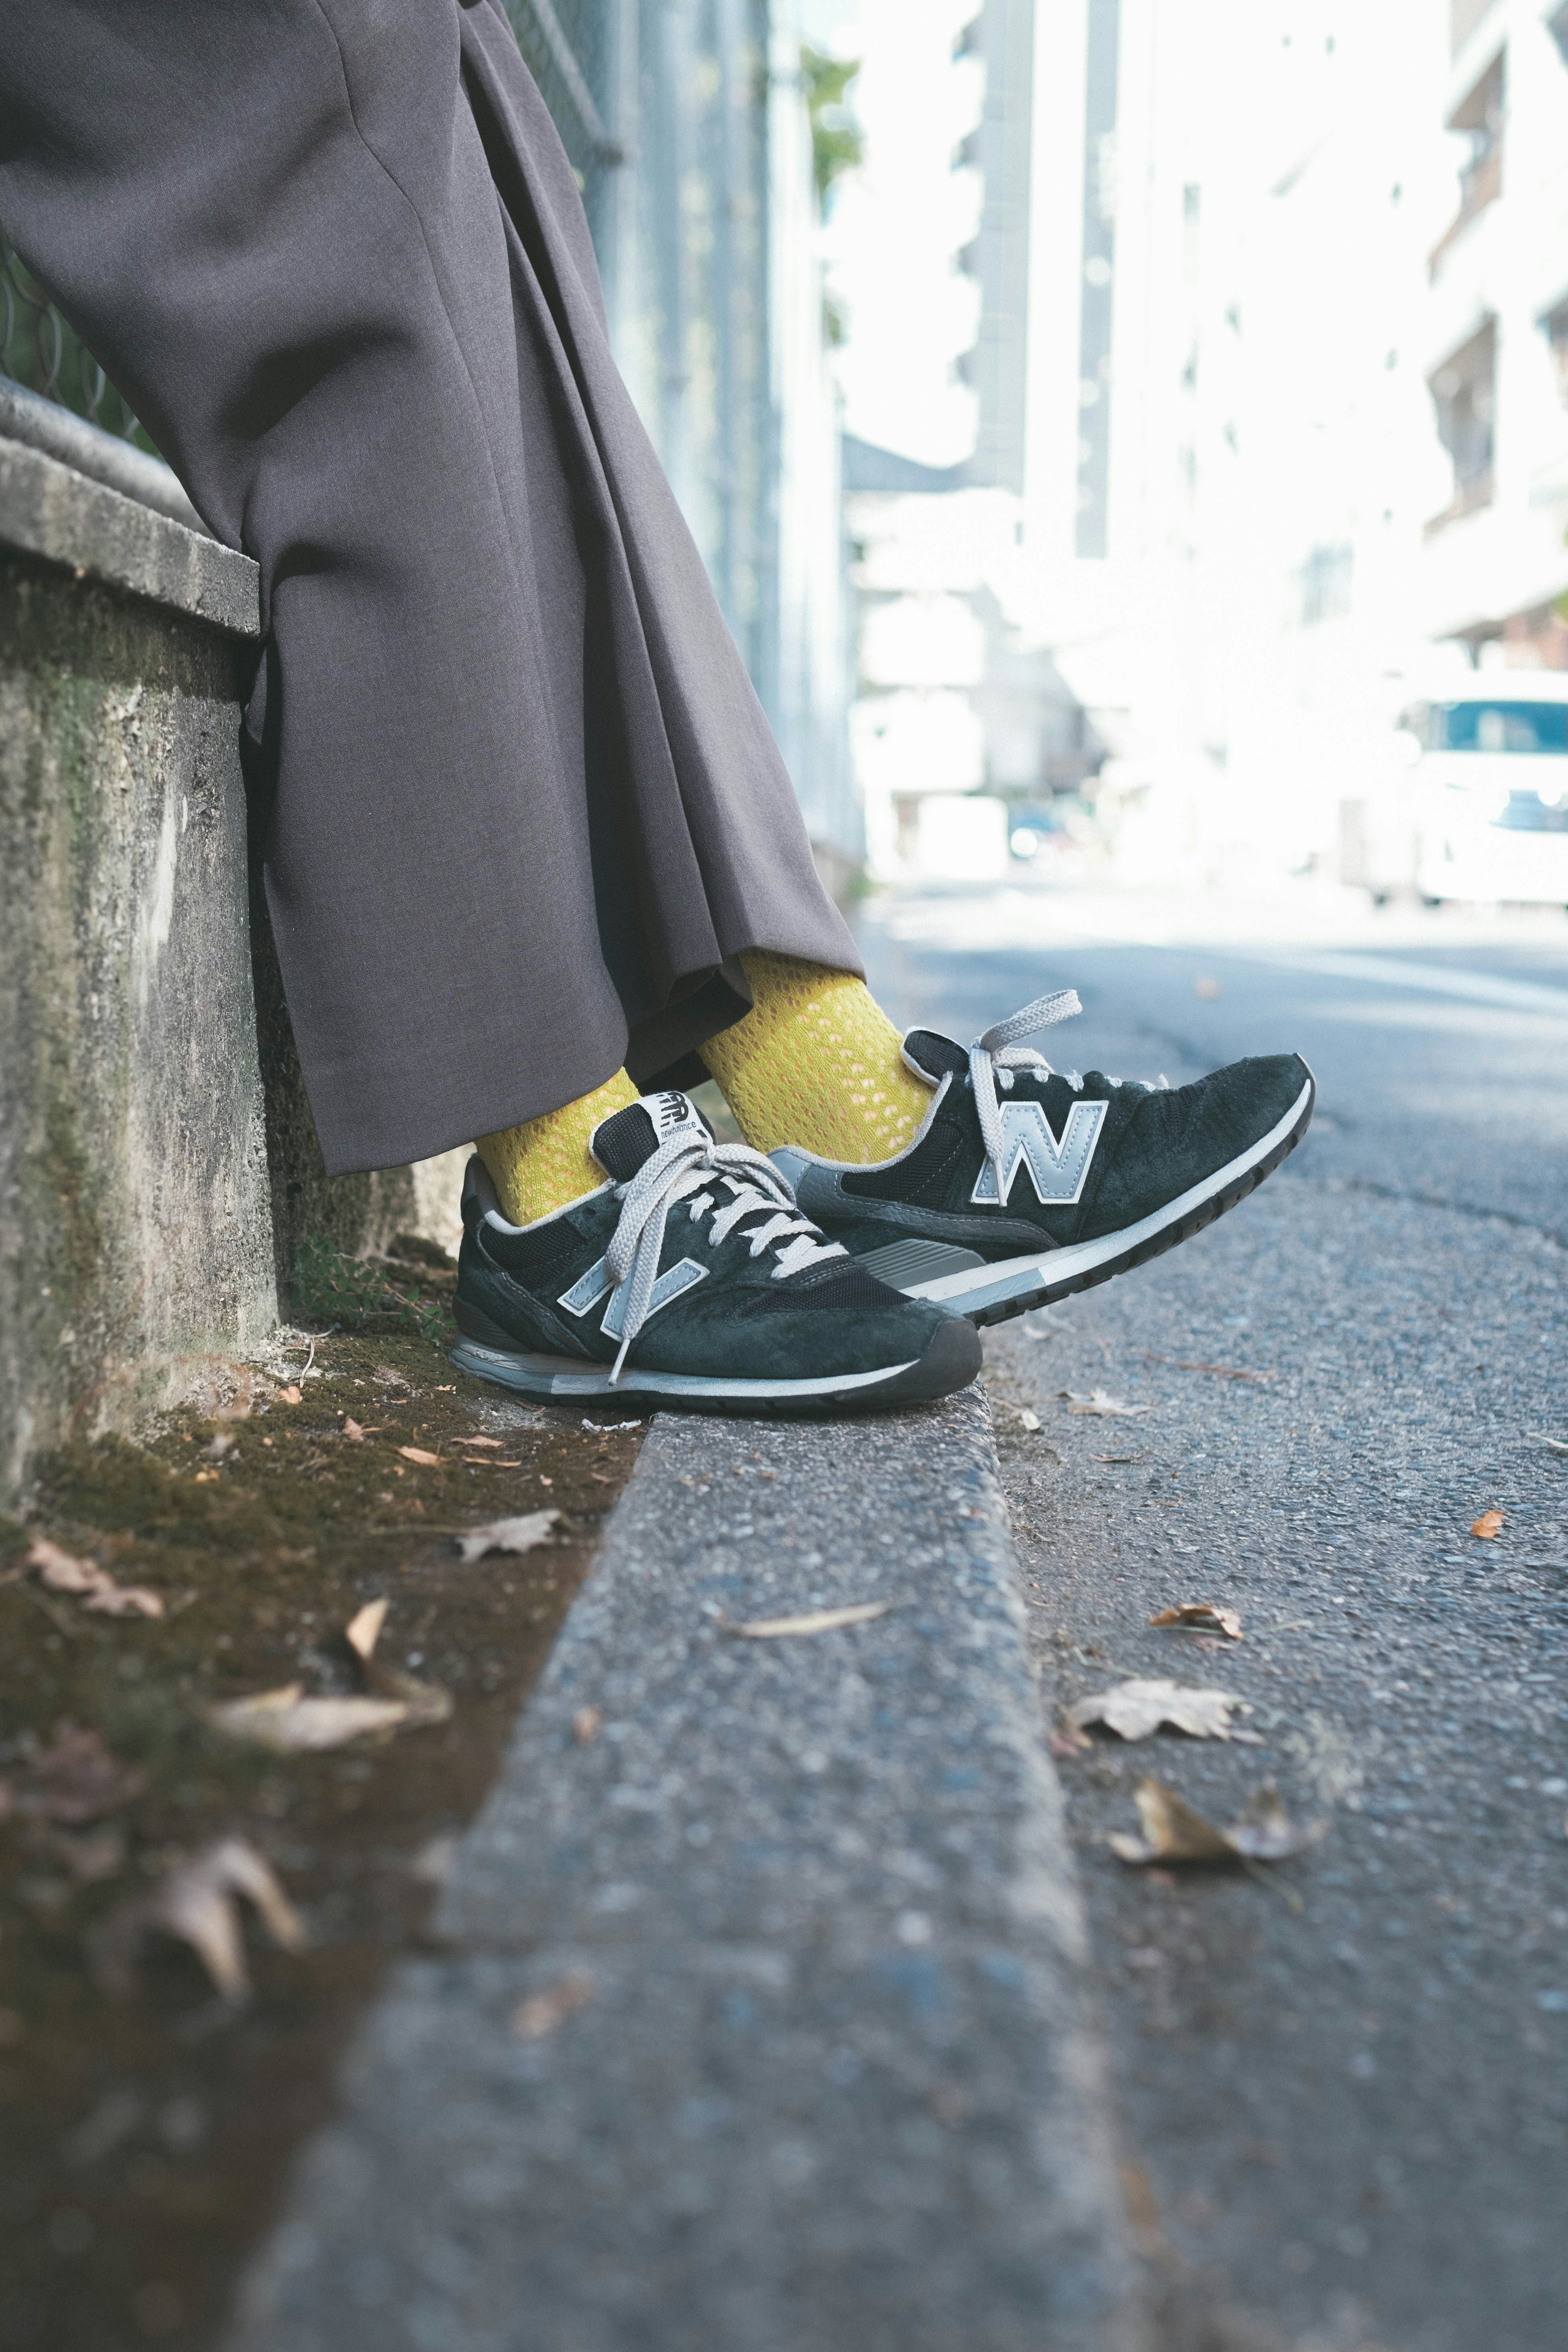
935	1055
622	1144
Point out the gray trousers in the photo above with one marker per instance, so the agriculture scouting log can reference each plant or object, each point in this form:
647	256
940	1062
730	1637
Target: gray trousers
521	807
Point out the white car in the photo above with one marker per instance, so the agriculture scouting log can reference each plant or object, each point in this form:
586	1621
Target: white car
1488	790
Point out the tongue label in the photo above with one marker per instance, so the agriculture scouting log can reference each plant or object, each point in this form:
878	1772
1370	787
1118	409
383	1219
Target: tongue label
671	1113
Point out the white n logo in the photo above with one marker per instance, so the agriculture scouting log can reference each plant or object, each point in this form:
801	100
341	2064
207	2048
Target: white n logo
1056	1171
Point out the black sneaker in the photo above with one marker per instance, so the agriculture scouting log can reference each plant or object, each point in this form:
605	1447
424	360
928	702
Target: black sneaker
690	1279
999	1206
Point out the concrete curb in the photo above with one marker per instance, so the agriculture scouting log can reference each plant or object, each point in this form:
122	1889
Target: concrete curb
829	2086
49	509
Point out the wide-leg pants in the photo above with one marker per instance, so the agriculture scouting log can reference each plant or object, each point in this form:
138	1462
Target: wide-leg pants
522	808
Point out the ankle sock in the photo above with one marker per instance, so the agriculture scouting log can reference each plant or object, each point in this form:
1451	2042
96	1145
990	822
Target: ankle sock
815	1063
545	1163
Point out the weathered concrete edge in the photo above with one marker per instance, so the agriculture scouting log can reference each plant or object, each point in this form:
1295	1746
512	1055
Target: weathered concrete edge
102	457
50	511
514	2197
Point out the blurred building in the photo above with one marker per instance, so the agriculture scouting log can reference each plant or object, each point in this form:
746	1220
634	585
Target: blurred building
1495	334
963	722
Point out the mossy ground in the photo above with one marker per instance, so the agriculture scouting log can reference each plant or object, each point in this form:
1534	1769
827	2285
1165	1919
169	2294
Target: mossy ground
146	2135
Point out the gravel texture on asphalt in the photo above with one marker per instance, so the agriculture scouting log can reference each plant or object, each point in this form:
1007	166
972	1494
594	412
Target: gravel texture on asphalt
755	2013
1344	2097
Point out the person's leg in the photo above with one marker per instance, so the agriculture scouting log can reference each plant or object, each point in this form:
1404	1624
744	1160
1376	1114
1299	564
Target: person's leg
816	1062
523	812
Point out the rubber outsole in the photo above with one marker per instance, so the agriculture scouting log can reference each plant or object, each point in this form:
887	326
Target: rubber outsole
1203	1213
950	1362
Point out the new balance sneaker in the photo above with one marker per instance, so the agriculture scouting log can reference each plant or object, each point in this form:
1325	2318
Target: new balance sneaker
691	1280
1026	1183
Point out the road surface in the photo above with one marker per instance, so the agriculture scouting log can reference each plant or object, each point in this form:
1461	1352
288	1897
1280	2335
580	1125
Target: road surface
1342	2093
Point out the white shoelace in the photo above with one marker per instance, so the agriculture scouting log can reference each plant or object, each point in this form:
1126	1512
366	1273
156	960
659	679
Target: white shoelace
689	1167
995	1055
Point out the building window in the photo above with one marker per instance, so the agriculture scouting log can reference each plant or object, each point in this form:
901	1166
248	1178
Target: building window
1464	392
1480	114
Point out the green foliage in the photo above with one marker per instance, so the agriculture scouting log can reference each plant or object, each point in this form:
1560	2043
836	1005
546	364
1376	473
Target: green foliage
355	1293
838	141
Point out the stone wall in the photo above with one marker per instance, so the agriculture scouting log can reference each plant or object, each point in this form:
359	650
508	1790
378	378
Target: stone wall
158	1166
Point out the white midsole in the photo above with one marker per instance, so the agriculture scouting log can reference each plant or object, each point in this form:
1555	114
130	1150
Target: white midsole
594	1381
1057	1266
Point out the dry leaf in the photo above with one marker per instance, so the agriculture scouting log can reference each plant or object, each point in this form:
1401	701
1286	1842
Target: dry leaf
197	1904
420	1703
1030	1420
494	1443
816	1621
363	1630
417	1454
533	2019
63	1572
288	1396
1135	1710
77	1780
285	1719
1489	1527
508	1535
1173	1832
1203	1616
1119	1457
352	1431
1100	1404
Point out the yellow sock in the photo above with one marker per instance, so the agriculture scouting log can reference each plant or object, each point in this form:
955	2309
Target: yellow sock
545	1163
816	1062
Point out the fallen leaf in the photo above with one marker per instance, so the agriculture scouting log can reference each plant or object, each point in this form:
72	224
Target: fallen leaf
494	1443
288	1721
417	1454
422	1703
1027	1420
1119	1457
586	1725
1135	1710
815	1621
1489	1527
1173	1832
77	1778
352	1431
63	1572
196	1903
363	1630
542	2012
1098	1404
508	1535
1203	1616
289	1396
205	1478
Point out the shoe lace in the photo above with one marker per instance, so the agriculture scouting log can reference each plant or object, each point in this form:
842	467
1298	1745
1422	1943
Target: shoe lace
995	1054
691	1168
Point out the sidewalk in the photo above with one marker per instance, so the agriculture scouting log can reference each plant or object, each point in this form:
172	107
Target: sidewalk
754	2014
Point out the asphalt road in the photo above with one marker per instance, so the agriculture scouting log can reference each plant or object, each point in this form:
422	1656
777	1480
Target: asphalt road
1343	2088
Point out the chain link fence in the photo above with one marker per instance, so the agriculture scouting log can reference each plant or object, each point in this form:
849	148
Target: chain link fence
38	350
